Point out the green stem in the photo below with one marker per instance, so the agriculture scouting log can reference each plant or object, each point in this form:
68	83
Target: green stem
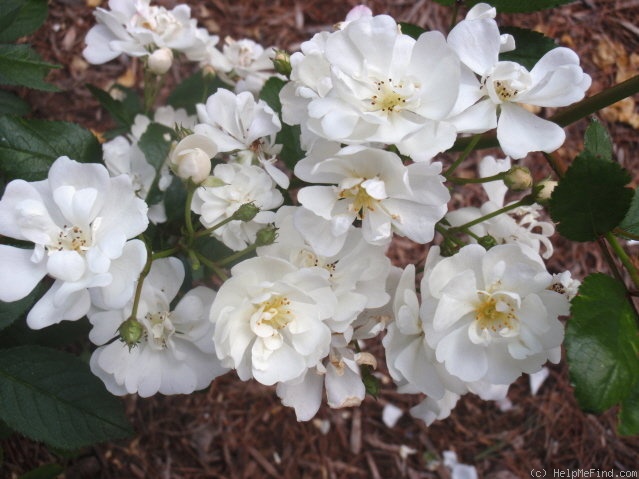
448	233
210	230
190	190
212	265
624	258
143	274
486	179
571	114
166	253
552	161
621	232
523	202
238	254
471	144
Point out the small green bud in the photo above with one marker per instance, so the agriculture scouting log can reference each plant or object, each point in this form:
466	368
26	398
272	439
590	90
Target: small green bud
487	242
266	236
131	332
246	212
282	63
544	191
518	178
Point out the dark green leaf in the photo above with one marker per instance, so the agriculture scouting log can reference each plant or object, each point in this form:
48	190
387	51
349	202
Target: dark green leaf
597	143
631	221
195	89
9	312
591	199
5	432
51	396
48	471
288	136
20	65
155	143
63	334
21	21
29	147
12	105
530	46
122	111
629	414
413	31
602	343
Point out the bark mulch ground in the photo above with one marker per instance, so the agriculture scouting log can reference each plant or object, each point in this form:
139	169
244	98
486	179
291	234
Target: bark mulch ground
239	429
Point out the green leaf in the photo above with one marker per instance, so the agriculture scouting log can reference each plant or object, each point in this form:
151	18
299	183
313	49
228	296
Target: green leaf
21	18
10	312
591	199
289	135
530	46
630	222
20	65
122	111
48	471
51	396
602	343
597	142
195	89
156	147
629	414
12	105
63	334
29	147
413	31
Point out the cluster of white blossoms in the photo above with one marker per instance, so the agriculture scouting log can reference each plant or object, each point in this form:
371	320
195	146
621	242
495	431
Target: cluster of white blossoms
310	278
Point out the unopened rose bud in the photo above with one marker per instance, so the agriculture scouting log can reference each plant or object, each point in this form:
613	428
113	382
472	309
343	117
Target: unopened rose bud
545	189
518	178
266	236
160	61
191	158
282	63
246	212
131	332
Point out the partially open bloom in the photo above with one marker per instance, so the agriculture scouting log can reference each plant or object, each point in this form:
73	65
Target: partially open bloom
368	82
80	221
191	158
269	319
136	28
523	225
174	354
243	128
231	186
556	80
492	315
373	186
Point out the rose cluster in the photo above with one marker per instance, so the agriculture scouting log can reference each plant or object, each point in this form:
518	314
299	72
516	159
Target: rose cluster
310	280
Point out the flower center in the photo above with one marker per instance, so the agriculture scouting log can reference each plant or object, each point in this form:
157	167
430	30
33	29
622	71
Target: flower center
504	90
72	238
496	313
159	329
360	200
275	313
389	97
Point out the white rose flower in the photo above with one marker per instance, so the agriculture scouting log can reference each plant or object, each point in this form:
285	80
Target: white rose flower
243	63
270	319
175	353
371	83
136	28
491	315
522	226
240	125
556	80
373	186
161	60
80	221
236	185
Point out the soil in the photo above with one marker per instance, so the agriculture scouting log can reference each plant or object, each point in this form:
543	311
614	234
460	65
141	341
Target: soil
238	429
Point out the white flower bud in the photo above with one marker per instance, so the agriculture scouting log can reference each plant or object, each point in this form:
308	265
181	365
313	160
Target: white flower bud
160	60
191	158
518	178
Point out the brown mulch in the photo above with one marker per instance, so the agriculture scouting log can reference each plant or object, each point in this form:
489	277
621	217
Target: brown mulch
239	429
